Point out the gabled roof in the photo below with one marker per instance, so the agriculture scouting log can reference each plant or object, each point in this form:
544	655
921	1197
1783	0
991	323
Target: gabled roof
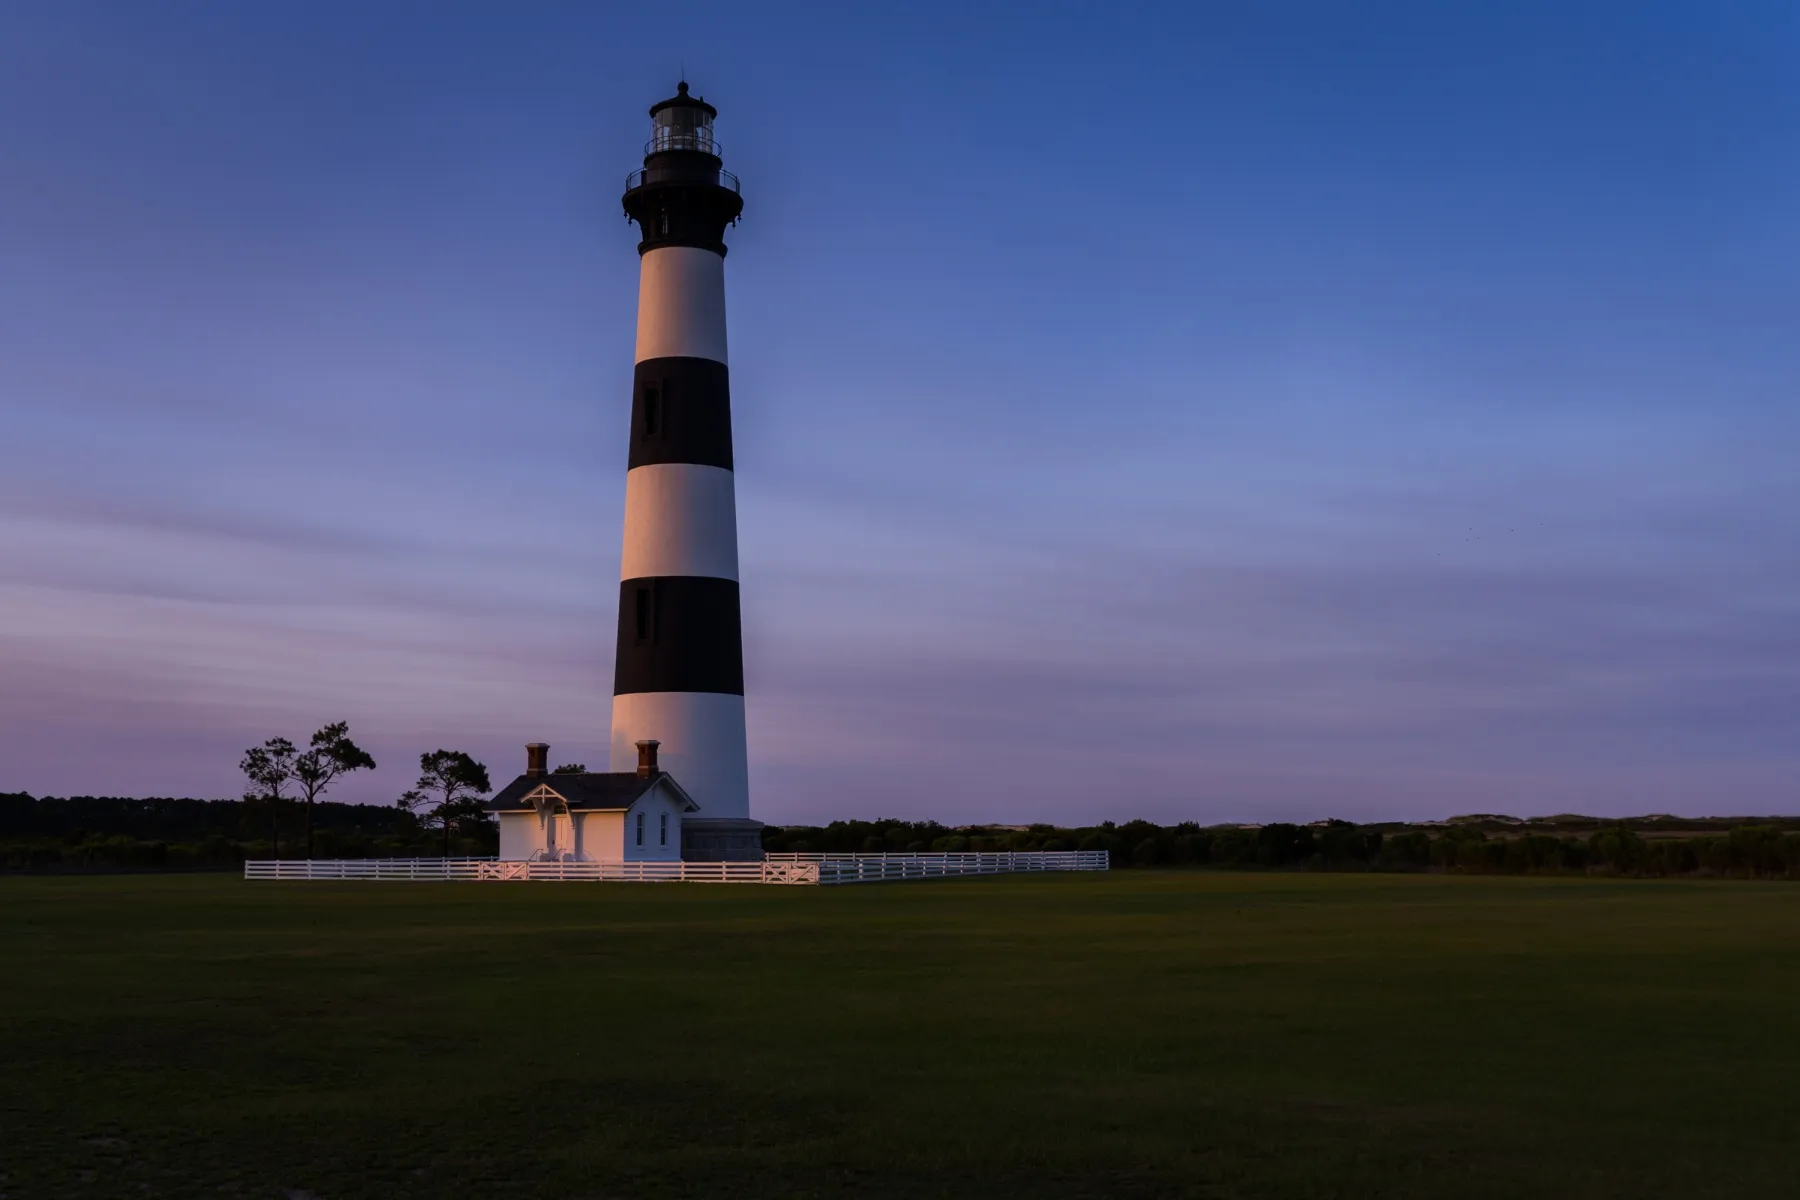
588	792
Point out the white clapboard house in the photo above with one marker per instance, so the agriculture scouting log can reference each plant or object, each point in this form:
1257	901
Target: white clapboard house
591	816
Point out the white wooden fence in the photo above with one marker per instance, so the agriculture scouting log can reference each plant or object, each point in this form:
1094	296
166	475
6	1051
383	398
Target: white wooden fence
775	868
872	868
505	869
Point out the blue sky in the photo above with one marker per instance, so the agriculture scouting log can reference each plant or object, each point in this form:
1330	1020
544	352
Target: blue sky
1208	412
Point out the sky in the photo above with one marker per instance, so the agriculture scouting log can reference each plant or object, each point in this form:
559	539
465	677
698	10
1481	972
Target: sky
1216	412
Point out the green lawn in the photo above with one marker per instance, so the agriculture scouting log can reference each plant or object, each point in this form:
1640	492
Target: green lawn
1134	1034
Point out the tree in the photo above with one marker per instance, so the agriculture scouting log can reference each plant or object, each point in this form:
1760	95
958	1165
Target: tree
571	769
332	755
449	790
270	768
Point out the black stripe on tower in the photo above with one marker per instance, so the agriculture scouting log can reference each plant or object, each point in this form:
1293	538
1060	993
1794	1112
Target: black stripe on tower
679	633
677	214
681	412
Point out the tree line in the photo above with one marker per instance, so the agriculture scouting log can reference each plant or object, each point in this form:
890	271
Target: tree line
284	803
112	832
1764	850
441	814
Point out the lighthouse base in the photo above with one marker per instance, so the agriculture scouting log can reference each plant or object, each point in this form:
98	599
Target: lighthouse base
721	839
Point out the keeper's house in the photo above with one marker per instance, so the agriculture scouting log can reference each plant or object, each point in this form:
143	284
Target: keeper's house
617	816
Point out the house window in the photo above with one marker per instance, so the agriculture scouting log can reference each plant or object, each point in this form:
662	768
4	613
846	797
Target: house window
640	829
662	837
652	412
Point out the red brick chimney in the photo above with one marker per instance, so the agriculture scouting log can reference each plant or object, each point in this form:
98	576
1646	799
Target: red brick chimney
647	768
537	754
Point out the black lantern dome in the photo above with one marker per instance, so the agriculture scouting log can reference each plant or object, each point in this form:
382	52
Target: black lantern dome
682	196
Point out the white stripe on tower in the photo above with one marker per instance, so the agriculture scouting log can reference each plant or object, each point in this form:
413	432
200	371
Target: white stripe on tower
707	728
680	519
681	304
678	675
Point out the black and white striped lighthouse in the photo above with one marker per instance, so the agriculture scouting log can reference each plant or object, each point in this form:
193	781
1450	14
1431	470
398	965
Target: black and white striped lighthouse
678	677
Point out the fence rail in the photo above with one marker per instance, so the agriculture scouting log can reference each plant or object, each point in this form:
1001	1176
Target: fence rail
874	868
774	868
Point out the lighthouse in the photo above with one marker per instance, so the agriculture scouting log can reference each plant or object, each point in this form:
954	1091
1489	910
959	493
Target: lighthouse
678	675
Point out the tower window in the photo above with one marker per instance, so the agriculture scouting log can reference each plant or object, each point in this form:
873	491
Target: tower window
652	411
662	837
640	829
665	222
642	596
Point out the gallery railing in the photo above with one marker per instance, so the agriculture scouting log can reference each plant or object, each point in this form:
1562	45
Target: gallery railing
636	179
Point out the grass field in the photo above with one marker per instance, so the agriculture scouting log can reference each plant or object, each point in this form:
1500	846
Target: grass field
1134	1034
